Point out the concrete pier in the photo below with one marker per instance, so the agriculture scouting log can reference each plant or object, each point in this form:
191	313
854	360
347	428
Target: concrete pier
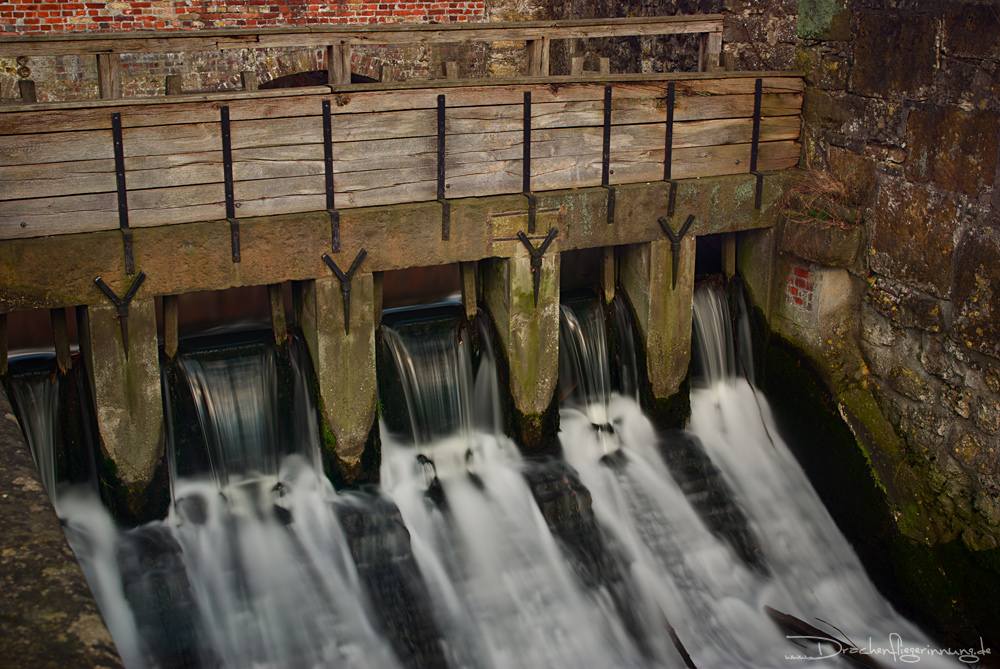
529	338
663	312
345	372
128	401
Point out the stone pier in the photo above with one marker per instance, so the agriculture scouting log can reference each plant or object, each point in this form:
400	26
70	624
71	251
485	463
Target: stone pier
344	363
528	335
663	313
129	406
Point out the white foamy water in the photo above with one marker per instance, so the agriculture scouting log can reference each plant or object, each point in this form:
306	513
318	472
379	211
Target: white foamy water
254	567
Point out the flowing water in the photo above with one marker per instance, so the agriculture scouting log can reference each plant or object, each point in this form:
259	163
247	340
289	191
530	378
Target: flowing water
638	549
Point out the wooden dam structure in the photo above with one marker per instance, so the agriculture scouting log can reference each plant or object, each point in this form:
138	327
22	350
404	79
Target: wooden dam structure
109	203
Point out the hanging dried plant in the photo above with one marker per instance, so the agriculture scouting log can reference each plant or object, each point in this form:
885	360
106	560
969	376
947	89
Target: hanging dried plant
819	197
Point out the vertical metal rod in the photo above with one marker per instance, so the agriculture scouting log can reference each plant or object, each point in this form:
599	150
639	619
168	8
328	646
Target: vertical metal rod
440	146
116	134
757	89
119	145
606	152
668	144
445	206
526	163
331	203
227	172
526	140
328	155
755	143
227	163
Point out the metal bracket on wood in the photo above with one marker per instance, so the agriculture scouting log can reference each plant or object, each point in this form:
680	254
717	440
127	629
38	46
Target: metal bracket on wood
536	256
227	173
331	205
675	242
445	205
121	303
606	156
345	283
755	143
116	134
526	164
668	149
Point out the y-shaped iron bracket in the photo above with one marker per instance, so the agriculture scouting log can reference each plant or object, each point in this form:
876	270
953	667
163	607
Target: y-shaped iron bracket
536	256
675	242
121	304
345	283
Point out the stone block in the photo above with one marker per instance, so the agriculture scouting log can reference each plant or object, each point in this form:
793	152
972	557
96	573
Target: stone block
663	311
904	306
345	368
977	288
529	338
952	148
821	242
971	30
913	236
126	390
895	55
824	20
855	172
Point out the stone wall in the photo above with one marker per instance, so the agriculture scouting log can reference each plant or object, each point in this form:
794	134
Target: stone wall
902	107
143	75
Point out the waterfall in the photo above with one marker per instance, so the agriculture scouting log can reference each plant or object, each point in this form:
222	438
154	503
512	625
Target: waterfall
690	573
638	549
236	399
36	396
504	593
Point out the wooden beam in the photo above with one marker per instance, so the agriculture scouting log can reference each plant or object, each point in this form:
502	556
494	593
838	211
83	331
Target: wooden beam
276	299
318	36
26	89
608	276
60	337
249	81
338	64
171	316
109	75
3	344
197	256
451	70
174	84
469	292
538	57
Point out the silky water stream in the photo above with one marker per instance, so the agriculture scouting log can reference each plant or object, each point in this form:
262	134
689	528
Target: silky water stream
635	548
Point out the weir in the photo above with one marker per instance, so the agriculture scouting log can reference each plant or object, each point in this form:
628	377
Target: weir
211	191
362	487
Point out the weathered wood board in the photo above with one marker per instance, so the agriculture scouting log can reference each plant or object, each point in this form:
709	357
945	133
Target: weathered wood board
384	148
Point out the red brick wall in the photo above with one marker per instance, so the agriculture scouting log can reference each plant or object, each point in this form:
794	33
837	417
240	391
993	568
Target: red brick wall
45	17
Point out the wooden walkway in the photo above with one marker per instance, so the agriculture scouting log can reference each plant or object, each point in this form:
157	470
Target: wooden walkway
57	161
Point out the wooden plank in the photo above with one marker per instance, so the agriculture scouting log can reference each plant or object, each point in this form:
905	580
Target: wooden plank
174	84
202	137
315	36
26	89
537	52
171	315
338	64
257	163
109	75
161	111
249	81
